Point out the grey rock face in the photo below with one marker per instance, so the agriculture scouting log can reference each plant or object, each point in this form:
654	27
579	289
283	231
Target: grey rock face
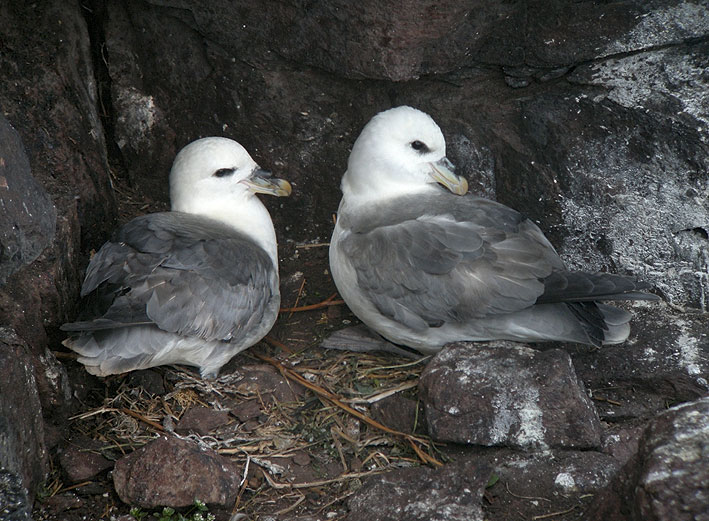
22	449
452	493
666	480
556	471
666	356
652	179
27	215
174	472
505	394
14	504
673	458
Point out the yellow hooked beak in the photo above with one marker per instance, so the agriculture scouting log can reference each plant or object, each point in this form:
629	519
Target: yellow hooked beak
262	182
442	172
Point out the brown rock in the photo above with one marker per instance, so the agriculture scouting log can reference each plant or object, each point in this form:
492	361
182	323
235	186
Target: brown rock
81	460
621	441
667	479
564	472
399	413
505	394
174	472
201	420
245	411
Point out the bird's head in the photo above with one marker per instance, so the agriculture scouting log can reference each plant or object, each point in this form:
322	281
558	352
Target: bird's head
400	151
216	171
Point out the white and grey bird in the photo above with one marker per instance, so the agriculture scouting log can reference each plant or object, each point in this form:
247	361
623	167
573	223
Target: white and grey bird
195	285
423	263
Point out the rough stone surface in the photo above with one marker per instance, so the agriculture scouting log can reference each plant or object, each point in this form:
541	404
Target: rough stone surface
201	420
506	394
659	162
621	441
48	94
22	449
665	358
399	413
673	482
404	40
81	460
173	472
556	471
667	478
27	215
589	117
14	503
452	493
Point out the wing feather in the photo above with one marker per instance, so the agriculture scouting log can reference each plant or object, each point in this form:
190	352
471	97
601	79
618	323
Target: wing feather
186	274
454	263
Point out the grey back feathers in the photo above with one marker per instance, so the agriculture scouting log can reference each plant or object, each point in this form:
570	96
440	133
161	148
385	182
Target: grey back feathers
186	274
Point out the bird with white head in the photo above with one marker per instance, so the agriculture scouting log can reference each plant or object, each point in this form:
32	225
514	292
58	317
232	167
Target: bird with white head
423	263
192	286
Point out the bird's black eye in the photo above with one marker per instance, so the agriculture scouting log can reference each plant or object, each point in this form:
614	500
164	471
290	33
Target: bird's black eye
224	172
419	146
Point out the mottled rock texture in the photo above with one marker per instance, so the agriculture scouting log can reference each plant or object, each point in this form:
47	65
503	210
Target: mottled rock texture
673	481
506	394
452	493
14	504
22	449
27	214
667	478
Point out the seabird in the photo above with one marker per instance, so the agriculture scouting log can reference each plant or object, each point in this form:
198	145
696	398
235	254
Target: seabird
423	263
195	285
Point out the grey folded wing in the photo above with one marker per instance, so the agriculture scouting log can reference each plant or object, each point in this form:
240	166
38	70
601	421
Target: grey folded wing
432	269
186	274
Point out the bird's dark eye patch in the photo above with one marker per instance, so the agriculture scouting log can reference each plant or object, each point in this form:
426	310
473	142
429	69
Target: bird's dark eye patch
224	172
419	146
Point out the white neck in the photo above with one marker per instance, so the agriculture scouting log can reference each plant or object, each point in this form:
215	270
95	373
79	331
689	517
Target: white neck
359	190
244	213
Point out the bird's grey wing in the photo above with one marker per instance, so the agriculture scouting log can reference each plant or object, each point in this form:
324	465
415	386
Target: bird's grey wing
433	269
177	272
575	286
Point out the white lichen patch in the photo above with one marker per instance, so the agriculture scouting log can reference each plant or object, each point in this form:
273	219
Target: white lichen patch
138	115
664	73
646	211
565	481
518	418
690	350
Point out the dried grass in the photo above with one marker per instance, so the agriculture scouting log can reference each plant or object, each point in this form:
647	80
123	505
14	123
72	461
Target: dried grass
330	423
